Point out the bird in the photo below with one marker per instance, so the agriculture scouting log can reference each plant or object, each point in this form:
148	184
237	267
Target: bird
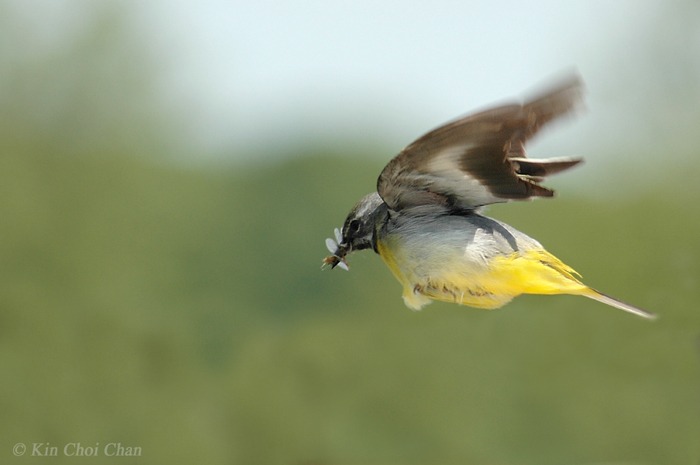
426	217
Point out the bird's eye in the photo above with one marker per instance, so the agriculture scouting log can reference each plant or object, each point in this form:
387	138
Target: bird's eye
354	226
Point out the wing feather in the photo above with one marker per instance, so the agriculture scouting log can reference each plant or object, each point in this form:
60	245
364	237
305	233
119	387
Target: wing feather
480	159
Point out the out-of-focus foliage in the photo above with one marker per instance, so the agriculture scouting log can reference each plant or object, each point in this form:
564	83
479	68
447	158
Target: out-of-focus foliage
183	310
186	312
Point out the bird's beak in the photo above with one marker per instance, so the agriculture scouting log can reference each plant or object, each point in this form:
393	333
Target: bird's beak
339	251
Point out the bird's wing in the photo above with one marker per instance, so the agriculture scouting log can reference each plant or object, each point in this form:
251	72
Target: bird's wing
480	159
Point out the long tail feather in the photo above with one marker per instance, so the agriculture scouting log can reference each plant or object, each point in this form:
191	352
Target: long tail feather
613	302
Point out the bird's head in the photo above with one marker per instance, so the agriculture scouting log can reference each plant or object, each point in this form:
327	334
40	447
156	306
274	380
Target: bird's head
358	232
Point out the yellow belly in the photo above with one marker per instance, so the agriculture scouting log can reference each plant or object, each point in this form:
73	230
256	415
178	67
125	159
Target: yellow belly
485	285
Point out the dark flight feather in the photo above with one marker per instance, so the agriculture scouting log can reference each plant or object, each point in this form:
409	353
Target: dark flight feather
480	159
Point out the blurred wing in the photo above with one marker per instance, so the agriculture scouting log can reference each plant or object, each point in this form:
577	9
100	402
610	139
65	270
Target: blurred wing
480	159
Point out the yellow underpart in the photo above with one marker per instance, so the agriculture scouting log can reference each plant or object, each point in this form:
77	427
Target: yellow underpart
504	277
532	272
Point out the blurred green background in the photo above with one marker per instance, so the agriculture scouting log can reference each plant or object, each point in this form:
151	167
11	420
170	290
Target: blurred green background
157	301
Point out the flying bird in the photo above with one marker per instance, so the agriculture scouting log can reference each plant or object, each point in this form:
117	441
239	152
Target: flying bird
424	219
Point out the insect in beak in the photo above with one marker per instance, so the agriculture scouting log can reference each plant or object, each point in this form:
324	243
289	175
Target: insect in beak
334	248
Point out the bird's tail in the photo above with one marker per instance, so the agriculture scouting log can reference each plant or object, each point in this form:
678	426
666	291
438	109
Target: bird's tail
613	302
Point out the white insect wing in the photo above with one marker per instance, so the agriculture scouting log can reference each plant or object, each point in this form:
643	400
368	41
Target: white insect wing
331	245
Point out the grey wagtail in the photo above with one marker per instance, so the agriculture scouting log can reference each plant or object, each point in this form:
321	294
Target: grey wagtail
424	219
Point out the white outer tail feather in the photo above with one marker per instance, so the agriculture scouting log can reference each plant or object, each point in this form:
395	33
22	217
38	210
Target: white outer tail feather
613	302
